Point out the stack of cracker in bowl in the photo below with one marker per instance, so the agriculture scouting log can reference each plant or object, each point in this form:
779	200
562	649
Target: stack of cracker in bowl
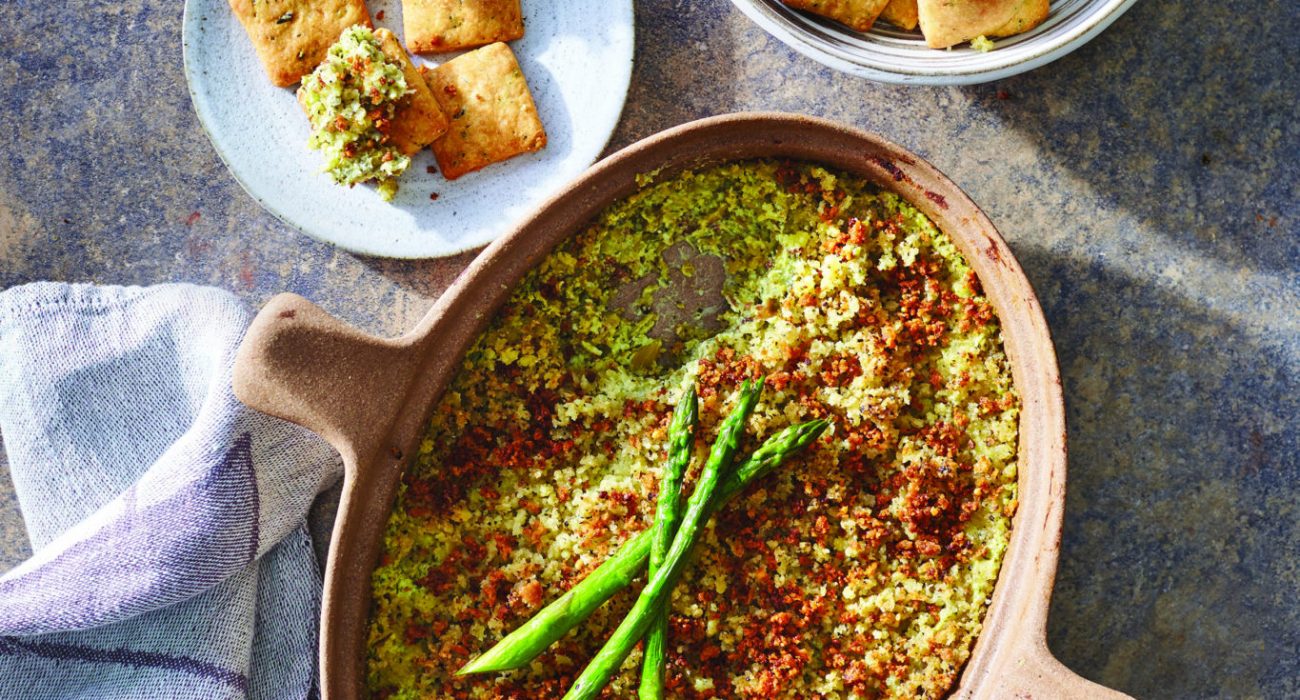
944	23
371	108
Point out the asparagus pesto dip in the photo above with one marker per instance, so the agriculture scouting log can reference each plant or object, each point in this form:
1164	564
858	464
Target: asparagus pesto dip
859	569
350	99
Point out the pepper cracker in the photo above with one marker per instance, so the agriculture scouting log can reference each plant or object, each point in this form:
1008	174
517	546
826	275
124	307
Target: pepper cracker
492	113
433	26
418	120
946	23
856	14
292	36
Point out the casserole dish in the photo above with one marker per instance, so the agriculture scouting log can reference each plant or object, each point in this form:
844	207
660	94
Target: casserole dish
371	398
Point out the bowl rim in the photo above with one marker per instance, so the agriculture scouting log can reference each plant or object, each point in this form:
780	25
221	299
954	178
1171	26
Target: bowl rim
762	13
371	398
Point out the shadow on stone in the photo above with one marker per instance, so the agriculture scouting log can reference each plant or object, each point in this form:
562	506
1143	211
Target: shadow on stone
1177	574
1187	131
683	70
428	278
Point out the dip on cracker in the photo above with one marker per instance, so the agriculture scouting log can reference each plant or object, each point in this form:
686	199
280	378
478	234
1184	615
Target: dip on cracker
418	120
350	100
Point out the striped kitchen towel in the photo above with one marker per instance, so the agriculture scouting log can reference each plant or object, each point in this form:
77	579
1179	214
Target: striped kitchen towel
167	519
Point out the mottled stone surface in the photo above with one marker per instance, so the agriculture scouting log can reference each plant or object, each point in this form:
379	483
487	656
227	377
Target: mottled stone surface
1148	183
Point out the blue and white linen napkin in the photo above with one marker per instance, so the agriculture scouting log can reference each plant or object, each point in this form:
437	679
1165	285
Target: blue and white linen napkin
167	519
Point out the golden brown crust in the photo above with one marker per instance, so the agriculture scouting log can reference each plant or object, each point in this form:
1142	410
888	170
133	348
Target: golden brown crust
900	13
858	15
945	22
434	26
492	113
1029	14
418	121
292	36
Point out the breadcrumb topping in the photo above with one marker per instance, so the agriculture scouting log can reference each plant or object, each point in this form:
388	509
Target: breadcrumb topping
860	570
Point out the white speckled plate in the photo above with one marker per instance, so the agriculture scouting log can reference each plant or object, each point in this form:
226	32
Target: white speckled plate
891	55
576	55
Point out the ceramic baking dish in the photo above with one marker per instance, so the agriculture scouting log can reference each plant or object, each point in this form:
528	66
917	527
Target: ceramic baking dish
371	397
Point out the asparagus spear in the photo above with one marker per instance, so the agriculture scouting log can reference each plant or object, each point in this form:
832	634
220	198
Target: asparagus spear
550	623
668	513
770	455
655	594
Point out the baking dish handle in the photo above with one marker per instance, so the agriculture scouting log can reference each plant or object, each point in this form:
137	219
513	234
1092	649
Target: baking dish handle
299	363
1037	675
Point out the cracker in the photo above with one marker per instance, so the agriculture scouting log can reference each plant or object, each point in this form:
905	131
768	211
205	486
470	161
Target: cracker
856	14
418	120
945	23
292	36
492	113
1028	14
900	13
433	26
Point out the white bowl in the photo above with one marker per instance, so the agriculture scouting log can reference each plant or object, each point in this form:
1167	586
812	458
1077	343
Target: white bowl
891	55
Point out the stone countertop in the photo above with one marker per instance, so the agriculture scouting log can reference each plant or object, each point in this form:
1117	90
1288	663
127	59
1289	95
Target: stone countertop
1149	183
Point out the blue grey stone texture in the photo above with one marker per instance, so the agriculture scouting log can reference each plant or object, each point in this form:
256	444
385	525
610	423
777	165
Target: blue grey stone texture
1149	183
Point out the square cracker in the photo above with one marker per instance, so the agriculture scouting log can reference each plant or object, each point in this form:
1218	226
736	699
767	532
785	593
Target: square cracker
858	15
292	36
900	13
418	120
492	113
945	23
433	26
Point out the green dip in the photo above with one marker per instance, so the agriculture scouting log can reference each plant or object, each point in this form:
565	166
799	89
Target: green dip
861	569
350	99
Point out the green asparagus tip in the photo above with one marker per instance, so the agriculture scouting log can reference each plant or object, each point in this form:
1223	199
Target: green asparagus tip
473	667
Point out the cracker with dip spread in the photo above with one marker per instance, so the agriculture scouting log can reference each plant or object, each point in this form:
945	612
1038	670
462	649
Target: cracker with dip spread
856	14
945	23
433	26
292	36
418	120
492	113
351	99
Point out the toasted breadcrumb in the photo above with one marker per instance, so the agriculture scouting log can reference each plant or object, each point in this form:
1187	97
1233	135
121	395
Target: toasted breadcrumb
860	570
